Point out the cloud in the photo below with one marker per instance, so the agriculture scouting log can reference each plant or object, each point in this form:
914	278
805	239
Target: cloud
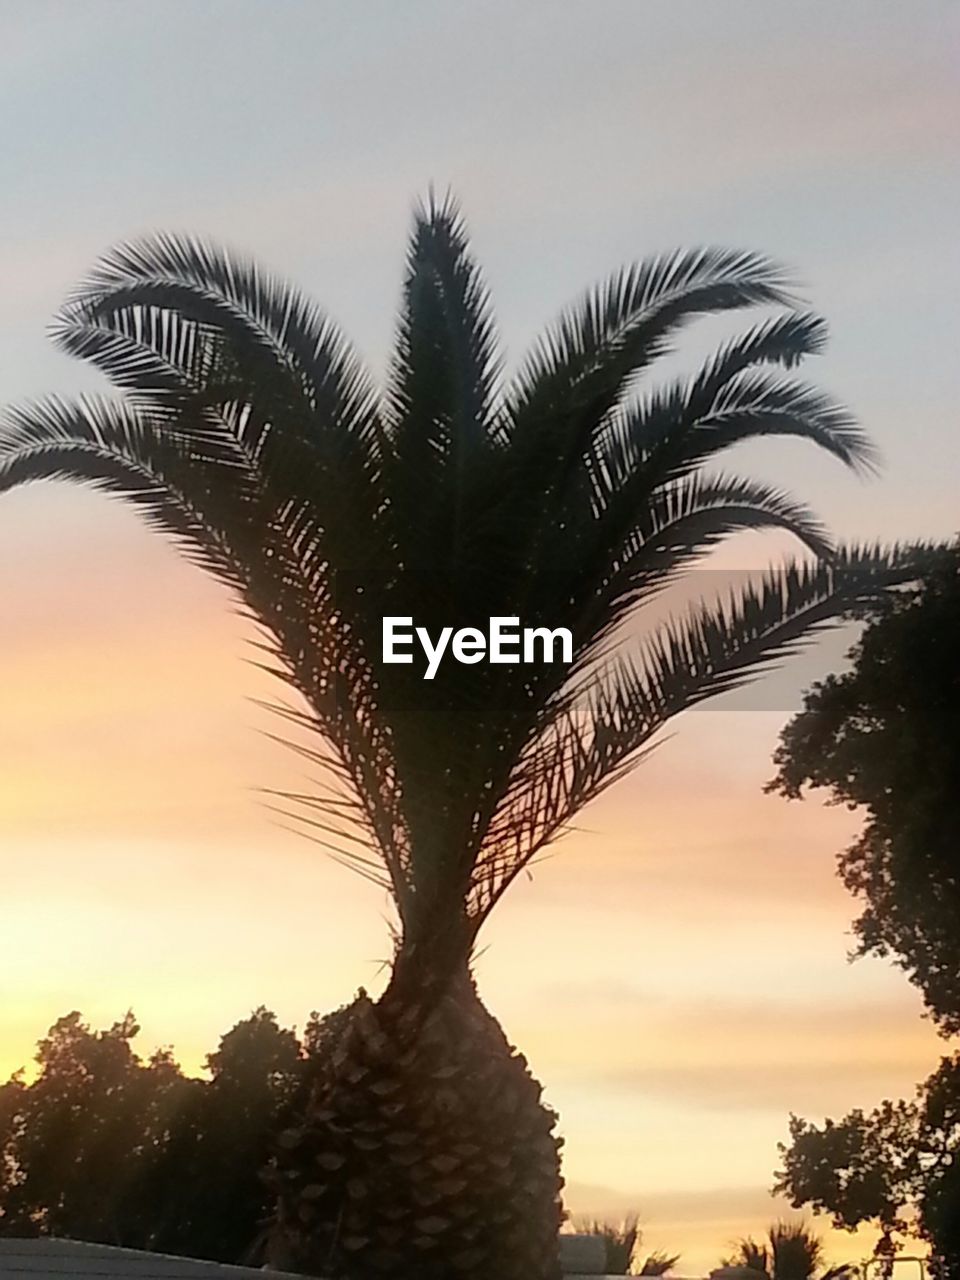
749	1056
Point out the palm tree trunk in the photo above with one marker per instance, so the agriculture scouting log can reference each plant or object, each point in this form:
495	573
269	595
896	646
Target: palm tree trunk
423	1149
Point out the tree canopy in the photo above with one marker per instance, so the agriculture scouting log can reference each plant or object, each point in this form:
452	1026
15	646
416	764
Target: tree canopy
105	1145
896	1167
885	737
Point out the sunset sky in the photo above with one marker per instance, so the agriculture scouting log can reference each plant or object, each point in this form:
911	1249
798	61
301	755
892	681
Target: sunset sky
676	972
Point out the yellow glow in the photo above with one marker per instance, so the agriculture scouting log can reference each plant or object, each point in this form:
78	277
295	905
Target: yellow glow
675	971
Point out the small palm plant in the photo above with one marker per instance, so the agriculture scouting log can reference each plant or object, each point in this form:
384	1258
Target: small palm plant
791	1251
658	1263
247	430
622	1242
620	1239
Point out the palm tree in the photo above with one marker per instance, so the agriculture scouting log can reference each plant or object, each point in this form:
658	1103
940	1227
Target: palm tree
248	431
791	1252
622	1241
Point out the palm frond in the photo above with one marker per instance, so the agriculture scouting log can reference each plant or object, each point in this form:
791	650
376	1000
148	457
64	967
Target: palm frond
581	366
188	489
581	535
621	1240
681	523
194	328
658	1263
796	1252
439	400
581	371
446	362
592	741
211	342
260	314
753	1256
672	431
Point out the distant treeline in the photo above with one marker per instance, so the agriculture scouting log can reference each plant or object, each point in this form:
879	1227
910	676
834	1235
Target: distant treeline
105	1145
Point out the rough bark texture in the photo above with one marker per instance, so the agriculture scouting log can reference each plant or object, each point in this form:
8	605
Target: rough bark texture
423	1151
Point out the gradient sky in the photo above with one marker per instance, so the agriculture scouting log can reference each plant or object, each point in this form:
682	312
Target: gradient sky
676	973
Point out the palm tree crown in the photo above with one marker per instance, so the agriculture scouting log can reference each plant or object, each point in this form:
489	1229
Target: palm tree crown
249	432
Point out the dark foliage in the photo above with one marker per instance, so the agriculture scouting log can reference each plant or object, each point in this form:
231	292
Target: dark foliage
622	1241
106	1146
885	737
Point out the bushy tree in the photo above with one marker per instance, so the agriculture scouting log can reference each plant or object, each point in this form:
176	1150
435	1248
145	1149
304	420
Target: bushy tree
884	738
210	1181
897	1167
107	1146
567	495
80	1140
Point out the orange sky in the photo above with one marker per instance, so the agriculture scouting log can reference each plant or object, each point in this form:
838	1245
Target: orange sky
675	972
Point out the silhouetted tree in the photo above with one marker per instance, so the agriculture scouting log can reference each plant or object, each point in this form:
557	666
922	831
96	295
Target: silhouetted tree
885	738
211	1183
105	1146
791	1251
81	1138
563	498
897	1167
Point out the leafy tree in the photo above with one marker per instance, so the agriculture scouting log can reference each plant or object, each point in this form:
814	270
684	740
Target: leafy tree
249	432
897	1167
211	1197
885	738
79	1140
791	1252
105	1146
